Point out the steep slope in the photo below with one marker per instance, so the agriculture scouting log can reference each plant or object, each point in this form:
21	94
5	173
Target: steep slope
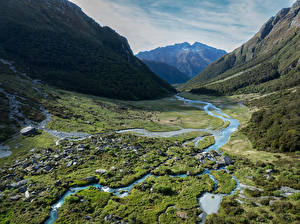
167	72
268	66
277	41
61	45
189	59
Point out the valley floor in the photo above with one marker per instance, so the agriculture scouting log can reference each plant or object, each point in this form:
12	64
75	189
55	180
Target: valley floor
43	167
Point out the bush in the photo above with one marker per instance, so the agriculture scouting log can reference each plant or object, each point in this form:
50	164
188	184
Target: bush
163	189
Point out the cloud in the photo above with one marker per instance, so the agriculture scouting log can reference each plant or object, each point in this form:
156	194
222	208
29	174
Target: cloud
147	24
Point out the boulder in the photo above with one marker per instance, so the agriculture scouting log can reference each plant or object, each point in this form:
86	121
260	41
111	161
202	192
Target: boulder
58	183
81	147
90	180
28	131
101	171
268	171
19	184
60	141
224	161
182	215
15	198
70	164
27	195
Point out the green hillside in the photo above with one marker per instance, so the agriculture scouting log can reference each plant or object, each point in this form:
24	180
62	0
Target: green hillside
268	65
277	42
57	43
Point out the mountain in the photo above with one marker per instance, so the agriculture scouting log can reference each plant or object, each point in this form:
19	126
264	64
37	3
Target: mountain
187	58
59	44
276	42
167	72
268	67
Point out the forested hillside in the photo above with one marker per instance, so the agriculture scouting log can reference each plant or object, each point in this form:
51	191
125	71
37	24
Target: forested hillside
167	72
57	43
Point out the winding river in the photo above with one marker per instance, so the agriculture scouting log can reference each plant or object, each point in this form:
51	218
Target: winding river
208	202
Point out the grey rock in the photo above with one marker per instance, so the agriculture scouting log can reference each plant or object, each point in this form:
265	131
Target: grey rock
22	189
224	160
108	218
27	195
48	168
269	171
100	149
287	191
91	179
19	184
101	171
15	198
36	168
58	183
81	147
28	131
296	4
87	217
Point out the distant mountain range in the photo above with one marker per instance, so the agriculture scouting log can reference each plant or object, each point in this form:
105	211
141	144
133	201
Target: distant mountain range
57	43
188	59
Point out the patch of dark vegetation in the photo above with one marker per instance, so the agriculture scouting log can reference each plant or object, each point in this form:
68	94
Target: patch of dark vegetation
276	128
206	91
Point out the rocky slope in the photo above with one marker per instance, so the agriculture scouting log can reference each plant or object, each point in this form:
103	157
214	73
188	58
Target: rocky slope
187	58
268	65
167	72
269	44
59	44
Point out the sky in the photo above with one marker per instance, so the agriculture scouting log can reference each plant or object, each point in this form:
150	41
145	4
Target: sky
148	24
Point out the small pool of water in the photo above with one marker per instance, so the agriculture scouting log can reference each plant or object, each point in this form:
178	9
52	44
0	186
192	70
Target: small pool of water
209	203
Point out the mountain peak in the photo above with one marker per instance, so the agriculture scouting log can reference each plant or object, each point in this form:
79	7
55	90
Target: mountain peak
296	4
188	58
279	30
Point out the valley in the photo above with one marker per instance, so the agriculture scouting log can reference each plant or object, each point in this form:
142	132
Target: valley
160	174
93	132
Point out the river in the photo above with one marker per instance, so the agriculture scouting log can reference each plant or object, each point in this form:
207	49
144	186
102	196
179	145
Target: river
208	202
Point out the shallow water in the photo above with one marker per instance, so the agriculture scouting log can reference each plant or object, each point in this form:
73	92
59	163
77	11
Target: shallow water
208	202
4	151
167	134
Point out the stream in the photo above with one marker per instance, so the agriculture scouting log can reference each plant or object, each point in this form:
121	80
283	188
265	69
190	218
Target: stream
16	113
208	202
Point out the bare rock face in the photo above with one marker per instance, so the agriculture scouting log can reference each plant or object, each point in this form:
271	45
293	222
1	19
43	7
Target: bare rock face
296	4
28	131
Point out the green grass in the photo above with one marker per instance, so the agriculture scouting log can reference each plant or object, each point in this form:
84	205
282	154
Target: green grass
21	145
147	203
206	142
77	112
225	182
